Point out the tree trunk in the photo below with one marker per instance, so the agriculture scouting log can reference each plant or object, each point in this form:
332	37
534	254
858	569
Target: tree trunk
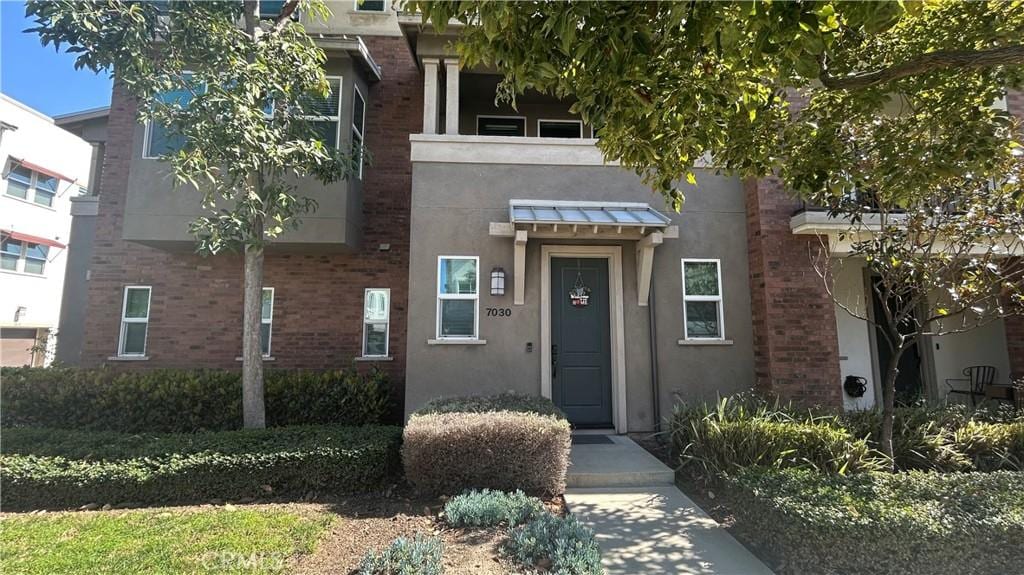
253	412
889	404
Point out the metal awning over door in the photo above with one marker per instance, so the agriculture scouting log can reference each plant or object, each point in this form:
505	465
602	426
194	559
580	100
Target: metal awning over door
556	219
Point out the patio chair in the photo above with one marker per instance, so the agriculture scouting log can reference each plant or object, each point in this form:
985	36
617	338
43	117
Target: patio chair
977	377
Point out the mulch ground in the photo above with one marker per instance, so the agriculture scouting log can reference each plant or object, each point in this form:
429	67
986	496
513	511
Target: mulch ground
372	522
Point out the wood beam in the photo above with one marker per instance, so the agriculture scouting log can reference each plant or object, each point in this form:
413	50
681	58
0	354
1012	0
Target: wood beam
645	265
519	271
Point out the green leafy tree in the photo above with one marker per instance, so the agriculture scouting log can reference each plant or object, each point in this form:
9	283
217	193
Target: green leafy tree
880	107
939	266
235	90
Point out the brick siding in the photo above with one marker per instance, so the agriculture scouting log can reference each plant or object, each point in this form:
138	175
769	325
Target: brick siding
796	345
1015	325
196	309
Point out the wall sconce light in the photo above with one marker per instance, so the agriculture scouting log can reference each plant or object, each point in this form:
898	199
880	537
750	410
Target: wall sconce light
497	281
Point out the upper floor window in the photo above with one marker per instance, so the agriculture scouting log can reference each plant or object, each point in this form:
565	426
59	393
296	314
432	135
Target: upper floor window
702	299
370	5
325	113
26	184
161	140
457	297
21	256
358	124
560	128
501	125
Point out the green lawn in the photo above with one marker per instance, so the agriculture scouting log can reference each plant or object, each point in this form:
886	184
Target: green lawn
256	540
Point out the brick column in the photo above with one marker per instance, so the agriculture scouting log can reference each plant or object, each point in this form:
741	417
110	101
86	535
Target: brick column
1015	325
1015	344
796	346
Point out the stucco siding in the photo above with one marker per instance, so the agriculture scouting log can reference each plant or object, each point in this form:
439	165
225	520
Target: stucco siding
452	207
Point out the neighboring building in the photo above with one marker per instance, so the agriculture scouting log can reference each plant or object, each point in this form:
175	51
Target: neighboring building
91	126
487	250
44	168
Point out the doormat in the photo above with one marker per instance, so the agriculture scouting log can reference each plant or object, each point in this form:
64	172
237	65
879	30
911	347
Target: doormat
591	440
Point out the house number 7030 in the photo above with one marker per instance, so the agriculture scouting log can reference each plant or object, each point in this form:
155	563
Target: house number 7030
498	312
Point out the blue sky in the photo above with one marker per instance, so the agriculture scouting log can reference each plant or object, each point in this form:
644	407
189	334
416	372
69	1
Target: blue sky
40	77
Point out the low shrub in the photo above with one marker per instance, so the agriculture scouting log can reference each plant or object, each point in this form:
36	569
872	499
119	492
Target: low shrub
738	433
992	446
914	522
172	400
420	555
743	431
559	545
447	453
489	508
56	468
517	402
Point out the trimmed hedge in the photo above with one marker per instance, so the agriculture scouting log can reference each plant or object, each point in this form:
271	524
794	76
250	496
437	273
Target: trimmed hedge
914	522
55	468
170	400
447	453
509	401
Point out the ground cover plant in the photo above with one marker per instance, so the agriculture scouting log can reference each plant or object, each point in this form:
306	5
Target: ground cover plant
178	400
561	545
57	468
418	555
251	540
487	508
911	523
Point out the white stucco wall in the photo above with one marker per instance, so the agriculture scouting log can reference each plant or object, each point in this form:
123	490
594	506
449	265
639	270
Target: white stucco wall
982	346
854	333
38	141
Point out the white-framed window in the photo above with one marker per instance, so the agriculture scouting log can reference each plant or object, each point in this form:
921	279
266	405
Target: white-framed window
31	186
325	113
266	320
559	128
358	125
458	297
703	313
134	321
376	321
24	257
501	125
370	5
159	140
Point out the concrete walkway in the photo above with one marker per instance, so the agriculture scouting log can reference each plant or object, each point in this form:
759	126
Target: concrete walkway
648	527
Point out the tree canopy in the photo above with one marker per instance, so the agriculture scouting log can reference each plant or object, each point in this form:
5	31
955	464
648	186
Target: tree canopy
895	96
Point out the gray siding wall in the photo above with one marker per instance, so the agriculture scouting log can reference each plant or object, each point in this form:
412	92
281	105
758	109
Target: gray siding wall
158	213
452	206
75	296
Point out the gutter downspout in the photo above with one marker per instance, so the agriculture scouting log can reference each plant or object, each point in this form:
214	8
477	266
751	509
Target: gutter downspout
655	387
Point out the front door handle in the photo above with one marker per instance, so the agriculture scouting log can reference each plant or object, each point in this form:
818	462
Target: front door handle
554	361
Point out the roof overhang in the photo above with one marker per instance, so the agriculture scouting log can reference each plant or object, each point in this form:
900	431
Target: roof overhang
841	234
351	45
583	221
81	116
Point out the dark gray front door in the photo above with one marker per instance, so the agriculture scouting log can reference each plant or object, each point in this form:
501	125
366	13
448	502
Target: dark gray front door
581	375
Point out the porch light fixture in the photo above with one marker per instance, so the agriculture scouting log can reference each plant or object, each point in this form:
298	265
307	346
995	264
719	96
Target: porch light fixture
498	281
